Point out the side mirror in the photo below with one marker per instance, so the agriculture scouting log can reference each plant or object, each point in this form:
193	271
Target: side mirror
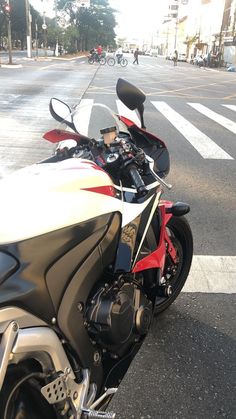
131	96
61	112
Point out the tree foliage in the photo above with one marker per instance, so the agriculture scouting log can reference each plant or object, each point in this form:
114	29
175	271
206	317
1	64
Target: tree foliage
82	29
95	24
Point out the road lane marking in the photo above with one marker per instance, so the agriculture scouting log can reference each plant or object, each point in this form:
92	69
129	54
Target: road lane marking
212	274
205	146
222	120
124	111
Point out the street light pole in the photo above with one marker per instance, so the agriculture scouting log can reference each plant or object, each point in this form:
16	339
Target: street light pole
28	29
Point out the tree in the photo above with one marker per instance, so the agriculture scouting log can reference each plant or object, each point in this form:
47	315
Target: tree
95	24
18	22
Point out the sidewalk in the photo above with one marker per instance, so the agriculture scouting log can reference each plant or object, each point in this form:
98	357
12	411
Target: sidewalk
19	58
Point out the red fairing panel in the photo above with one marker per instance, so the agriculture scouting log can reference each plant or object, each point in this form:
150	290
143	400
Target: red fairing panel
157	258
57	135
104	190
130	124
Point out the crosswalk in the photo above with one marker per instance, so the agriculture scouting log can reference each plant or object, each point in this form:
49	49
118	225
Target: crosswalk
29	121
206	147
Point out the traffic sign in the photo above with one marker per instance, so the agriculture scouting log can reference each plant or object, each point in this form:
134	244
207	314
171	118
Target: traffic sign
44	26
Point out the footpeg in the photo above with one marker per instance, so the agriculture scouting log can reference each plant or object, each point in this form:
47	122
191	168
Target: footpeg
95	414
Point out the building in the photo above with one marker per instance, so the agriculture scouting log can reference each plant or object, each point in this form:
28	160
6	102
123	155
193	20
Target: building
197	27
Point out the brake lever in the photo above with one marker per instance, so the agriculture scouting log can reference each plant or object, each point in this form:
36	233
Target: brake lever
161	181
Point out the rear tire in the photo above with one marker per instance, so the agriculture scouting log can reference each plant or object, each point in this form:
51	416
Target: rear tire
111	61
26	401
103	61
176	274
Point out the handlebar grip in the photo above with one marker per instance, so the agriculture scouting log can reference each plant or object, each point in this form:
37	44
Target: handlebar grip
137	180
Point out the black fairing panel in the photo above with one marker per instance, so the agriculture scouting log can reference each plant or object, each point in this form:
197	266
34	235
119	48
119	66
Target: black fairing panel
70	318
35	287
8	265
153	147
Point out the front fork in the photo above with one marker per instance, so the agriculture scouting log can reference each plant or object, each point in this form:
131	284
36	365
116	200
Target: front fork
165	246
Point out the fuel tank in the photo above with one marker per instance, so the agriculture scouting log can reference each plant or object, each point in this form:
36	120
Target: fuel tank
46	197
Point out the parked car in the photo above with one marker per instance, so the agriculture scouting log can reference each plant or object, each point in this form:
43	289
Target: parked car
169	57
182	57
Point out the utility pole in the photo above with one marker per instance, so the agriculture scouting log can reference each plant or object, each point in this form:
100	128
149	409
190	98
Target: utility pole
8	10
176	24
56	10
28	29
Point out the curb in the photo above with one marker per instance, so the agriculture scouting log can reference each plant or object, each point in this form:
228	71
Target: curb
10	65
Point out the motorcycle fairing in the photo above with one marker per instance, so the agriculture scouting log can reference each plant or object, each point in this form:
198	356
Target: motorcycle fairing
57	135
151	145
71	320
51	196
157	258
47	263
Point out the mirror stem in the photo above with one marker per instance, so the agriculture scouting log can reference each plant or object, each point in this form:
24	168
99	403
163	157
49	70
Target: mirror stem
141	112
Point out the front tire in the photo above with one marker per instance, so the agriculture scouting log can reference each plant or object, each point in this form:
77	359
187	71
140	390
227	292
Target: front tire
176	274
111	61
123	62
90	60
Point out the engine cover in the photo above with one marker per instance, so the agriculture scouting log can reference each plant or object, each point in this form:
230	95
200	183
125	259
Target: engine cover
118	314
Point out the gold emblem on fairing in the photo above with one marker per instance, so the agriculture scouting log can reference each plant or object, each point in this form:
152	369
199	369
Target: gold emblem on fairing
128	235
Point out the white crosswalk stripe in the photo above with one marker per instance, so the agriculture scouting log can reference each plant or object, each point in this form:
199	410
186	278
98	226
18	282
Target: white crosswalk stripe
231	107
124	111
212	274
82	115
220	119
200	141
13	122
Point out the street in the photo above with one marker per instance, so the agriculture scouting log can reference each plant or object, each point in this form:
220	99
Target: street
186	367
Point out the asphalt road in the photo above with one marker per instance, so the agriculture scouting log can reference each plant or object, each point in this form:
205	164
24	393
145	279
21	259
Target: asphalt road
186	367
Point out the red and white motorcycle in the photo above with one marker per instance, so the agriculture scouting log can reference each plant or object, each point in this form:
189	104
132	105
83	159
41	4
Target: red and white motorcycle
89	252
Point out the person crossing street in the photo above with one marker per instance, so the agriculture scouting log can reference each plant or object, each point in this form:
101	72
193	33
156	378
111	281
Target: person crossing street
136	52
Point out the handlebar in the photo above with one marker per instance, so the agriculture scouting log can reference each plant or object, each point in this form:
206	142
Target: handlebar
137	180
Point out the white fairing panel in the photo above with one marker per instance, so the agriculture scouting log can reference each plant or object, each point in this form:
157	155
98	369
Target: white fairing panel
46	197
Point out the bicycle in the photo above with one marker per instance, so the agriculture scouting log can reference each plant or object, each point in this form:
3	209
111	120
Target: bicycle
120	60
94	58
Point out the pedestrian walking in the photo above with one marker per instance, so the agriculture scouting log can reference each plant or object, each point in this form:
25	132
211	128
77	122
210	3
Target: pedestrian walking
209	59
136	52
175	57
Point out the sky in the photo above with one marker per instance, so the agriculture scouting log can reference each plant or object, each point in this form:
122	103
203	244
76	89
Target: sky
136	19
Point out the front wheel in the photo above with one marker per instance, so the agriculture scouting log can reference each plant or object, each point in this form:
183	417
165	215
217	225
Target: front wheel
123	62
111	61
175	274
91	60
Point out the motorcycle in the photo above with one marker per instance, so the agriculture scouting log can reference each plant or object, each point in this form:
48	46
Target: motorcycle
89	253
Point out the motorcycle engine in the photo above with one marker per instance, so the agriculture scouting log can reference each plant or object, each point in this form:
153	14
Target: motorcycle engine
118	314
